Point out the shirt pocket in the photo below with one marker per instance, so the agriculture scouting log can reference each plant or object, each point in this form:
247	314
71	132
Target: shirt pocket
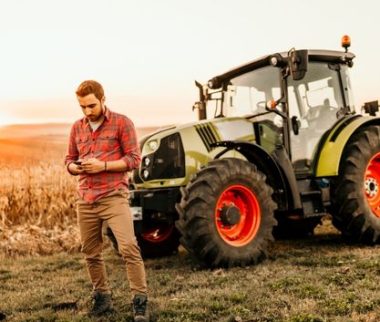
108	141
83	144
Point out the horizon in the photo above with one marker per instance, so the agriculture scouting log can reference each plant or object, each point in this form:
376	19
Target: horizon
148	55
62	124
12	133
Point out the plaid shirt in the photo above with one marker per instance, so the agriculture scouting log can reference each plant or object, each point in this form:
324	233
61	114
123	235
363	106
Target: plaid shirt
115	139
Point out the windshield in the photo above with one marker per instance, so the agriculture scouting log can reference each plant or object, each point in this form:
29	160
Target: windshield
316	101
319	90
246	94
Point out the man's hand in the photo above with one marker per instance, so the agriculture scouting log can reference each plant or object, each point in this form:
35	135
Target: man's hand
92	165
75	168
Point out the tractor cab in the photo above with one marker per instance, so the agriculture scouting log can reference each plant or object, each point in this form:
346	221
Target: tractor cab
294	97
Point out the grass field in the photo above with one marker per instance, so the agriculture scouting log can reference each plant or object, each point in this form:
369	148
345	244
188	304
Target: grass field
316	279
43	276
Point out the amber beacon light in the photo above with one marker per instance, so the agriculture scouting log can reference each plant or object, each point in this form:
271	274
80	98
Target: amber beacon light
346	42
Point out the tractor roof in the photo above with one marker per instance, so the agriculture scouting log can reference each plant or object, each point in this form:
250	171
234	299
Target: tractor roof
314	55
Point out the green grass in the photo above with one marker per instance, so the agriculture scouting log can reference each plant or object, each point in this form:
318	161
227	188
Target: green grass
309	280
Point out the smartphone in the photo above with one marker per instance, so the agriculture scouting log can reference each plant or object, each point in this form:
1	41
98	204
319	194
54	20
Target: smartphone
78	162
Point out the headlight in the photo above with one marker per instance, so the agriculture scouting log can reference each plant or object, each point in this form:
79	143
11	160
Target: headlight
273	61
153	145
146	174
214	83
146	161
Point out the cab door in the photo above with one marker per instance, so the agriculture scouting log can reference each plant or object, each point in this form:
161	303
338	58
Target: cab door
314	103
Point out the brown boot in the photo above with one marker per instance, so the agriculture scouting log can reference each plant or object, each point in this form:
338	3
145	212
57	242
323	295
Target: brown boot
102	303
140	308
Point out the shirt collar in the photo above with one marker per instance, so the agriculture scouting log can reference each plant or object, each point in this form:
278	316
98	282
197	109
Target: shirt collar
107	113
107	116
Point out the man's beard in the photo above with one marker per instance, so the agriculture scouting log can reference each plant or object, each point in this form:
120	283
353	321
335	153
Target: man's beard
99	117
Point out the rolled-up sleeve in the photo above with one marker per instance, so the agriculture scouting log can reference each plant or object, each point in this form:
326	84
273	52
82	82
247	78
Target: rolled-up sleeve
72	151
129	145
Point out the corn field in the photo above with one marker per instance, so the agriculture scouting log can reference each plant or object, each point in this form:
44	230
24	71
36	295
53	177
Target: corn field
37	196
41	195
37	209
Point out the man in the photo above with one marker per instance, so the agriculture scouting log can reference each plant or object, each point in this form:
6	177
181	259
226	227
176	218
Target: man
102	148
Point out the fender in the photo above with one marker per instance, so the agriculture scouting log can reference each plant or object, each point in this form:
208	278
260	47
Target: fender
328	155
277	176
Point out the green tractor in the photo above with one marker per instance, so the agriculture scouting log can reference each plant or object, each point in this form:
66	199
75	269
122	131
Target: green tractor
278	145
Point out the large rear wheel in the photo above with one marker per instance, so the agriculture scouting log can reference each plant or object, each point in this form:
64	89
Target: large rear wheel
227	214
356	201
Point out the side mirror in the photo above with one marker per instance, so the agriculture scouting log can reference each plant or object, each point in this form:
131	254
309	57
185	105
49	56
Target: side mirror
200	106
371	107
298	61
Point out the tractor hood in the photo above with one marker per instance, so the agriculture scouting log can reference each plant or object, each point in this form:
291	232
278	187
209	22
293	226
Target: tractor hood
170	155
209	131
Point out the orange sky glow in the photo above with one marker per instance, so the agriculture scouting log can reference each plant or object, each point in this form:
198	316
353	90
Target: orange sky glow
148	54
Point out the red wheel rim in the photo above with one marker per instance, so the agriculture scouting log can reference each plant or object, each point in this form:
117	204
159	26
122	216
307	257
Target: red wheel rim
372	184
246	228
158	234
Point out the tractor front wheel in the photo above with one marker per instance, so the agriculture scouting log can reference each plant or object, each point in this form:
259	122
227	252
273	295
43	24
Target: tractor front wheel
227	214
157	239
356	202
295	228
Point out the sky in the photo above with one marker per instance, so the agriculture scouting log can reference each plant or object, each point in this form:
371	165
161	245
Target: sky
147	54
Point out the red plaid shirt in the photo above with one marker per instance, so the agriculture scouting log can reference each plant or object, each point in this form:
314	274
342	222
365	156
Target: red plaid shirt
115	139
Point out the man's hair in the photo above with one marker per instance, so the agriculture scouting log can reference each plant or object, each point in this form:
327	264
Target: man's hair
90	87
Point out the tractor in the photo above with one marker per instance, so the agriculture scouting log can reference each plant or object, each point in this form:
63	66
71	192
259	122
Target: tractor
278	145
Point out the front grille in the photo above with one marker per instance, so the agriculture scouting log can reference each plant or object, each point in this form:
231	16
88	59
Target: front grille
169	159
167	162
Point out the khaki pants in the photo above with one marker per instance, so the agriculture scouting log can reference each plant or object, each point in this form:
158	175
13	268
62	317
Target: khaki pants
114	209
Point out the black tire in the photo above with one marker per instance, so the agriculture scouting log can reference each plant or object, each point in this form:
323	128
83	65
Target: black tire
159	240
155	241
208	230
295	228
356	207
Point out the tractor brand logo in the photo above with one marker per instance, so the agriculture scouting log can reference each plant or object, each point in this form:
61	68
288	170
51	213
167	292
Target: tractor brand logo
207	134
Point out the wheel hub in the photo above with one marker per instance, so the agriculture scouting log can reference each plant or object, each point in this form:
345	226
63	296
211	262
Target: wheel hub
230	215
372	184
237	215
157	232
371	187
